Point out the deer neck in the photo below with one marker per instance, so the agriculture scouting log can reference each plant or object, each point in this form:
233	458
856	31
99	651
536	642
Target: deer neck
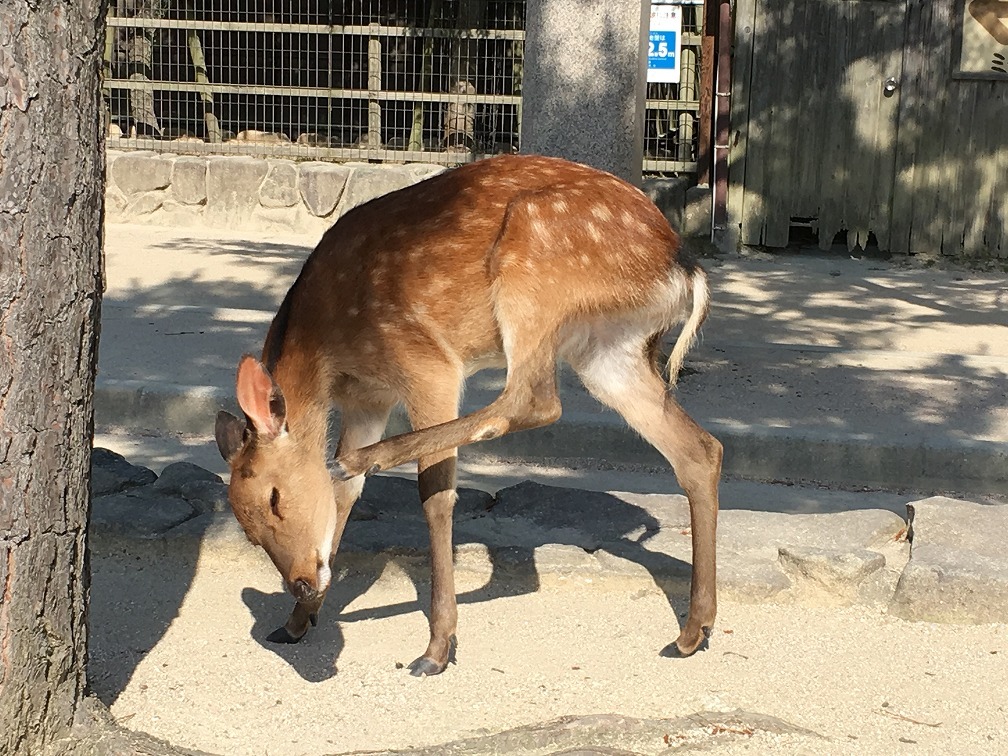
300	373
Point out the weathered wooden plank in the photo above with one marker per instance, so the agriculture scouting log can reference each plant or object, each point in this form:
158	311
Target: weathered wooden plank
930	205
831	211
759	104
817	101
745	24
861	86
987	227
967	172
911	96
887	19
997	226
925	170
955	177
782	139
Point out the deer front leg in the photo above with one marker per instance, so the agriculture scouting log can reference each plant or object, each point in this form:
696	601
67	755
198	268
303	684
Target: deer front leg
529	400
437	490
305	614
428	403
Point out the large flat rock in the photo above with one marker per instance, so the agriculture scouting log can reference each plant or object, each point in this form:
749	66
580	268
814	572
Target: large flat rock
760	554
139	513
958	568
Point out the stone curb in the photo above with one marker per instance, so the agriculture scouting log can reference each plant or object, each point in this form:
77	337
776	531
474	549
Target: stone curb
532	534
965	465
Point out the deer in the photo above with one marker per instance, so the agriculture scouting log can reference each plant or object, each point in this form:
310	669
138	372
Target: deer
514	261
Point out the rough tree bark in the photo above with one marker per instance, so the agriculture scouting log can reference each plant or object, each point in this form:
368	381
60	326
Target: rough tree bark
51	194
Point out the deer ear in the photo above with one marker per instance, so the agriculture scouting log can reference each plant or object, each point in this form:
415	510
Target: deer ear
230	434
260	398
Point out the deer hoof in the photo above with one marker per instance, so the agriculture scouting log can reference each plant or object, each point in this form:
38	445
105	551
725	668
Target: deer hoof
681	649
424	667
427	666
282	635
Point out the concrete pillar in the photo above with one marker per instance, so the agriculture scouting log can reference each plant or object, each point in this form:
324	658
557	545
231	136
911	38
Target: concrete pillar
585	84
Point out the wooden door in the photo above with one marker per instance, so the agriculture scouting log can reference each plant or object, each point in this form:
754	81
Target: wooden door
814	121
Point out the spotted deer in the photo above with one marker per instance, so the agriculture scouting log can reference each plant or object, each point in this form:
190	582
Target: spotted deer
514	261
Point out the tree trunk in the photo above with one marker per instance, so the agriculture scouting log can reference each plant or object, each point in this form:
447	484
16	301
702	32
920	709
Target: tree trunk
51	195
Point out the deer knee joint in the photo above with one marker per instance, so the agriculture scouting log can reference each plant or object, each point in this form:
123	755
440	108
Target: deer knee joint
489	432
542	410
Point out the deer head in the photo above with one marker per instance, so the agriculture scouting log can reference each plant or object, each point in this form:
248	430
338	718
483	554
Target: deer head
281	491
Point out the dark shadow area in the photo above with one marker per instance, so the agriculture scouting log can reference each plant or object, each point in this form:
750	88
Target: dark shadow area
389	527
134	599
316	655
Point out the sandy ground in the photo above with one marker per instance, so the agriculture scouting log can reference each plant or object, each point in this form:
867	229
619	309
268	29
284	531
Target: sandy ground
177	650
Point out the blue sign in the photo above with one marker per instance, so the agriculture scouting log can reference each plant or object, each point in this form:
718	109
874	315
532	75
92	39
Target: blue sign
662	49
664	39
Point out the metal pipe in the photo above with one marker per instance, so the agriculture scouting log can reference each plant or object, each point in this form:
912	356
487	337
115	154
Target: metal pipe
722	118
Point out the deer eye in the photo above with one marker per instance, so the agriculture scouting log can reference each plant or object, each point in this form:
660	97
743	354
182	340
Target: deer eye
275	503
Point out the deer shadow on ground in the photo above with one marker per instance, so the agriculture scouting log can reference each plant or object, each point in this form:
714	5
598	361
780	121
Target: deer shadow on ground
388	527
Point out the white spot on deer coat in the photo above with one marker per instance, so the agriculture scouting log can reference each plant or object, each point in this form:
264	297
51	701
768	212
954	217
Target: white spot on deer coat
601	212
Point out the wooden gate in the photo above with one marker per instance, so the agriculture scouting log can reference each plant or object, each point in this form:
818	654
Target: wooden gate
819	125
847	116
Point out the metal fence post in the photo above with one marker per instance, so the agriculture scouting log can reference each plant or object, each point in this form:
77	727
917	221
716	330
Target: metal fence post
374	88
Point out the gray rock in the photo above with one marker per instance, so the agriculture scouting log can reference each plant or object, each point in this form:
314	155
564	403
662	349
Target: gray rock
581	518
390	497
567	561
178	474
421	171
141	172
144	204
206	495
617	735
697	215
957	571
279	188
406	536
669	195
586	108
138	513
765	532
839	572
233	187
367	182
746	579
321	185
189	181
111	473
219	529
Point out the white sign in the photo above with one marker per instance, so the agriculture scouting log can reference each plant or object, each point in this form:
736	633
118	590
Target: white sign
664	44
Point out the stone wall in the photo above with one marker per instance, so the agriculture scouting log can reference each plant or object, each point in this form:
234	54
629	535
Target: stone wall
244	192
227	191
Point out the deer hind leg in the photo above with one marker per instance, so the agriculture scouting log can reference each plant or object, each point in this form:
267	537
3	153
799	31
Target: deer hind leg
436	404
361	425
617	368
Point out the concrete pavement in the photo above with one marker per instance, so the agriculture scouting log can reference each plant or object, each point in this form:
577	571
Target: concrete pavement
882	383
846	372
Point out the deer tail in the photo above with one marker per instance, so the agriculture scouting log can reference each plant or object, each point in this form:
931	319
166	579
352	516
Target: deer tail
701	306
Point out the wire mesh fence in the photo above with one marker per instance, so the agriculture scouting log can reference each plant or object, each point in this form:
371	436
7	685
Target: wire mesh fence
376	80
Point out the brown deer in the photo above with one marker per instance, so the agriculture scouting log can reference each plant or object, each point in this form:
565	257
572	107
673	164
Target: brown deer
515	261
